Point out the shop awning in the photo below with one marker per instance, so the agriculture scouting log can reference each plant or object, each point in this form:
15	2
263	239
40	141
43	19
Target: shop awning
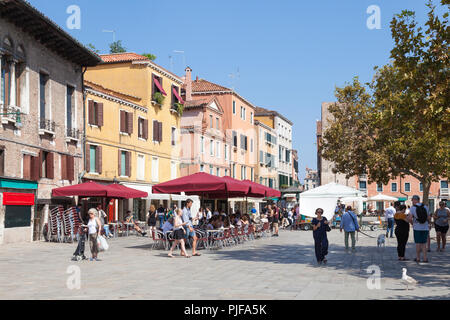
127	193
175	92
159	86
159	196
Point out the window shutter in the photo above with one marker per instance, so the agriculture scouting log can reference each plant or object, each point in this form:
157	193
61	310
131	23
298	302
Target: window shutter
87	168
100	114
160	137
155	130
70	168
64	159
119	172
122	121
41	156
98	160
50	163
35	168
127	164
145	128
129	122
245	140
91	111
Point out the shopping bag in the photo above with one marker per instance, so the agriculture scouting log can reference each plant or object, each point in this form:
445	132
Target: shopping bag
102	244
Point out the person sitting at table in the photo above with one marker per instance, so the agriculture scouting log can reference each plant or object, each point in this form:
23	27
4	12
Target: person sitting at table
129	219
245	220
168	226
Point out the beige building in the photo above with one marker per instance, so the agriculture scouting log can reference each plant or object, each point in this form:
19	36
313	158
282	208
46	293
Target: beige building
41	105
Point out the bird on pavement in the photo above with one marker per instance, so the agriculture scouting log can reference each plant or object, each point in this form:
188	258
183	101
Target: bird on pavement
409	281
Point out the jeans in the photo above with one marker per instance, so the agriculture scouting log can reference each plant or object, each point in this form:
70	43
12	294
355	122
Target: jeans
352	234
390	227
107	232
161	221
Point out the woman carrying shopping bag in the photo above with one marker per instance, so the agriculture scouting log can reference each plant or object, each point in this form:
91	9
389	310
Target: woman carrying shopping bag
94	230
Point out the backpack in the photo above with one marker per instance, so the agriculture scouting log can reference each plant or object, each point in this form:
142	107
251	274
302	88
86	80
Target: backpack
421	213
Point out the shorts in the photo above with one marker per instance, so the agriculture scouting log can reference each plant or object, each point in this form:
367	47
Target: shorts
275	224
189	233
420	236
178	234
152	223
441	229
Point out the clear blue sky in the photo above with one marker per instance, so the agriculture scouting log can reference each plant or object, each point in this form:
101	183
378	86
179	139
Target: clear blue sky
290	54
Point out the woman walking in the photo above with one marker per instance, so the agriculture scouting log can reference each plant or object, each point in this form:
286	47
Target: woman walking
320	228
401	230
441	217
94	229
152	214
179	233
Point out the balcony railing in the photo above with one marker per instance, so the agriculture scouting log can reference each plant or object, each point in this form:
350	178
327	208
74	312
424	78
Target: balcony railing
47	125
9	113
73	133
443	192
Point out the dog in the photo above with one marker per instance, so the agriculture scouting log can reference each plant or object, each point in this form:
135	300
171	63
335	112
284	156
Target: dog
381	241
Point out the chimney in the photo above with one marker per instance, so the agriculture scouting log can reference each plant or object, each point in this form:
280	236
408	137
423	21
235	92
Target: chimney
188	81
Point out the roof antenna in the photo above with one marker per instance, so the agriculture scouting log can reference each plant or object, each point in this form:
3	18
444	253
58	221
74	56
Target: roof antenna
235	77
171	63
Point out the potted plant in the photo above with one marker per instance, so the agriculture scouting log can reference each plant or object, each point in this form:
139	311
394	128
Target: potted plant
158	98
179	108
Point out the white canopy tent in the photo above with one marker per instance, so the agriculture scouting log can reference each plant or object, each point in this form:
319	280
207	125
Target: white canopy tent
326	197
382	197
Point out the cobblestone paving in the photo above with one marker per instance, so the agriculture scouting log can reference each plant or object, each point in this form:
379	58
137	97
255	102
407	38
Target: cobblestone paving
281	267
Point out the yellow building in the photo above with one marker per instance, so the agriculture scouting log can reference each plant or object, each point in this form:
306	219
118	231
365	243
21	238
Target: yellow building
133	111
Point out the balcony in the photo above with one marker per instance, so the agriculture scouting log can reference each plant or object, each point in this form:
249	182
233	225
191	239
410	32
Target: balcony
47	126
443	193
72	135
10	114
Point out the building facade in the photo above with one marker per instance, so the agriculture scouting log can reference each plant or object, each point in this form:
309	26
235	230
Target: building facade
283	128
266	173
401	188
311	179
237	126
140	133
41	117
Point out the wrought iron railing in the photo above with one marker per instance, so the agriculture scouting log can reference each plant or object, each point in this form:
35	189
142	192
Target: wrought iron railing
73	133
46	124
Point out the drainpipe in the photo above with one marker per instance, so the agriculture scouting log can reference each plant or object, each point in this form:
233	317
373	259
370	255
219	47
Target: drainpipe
83	144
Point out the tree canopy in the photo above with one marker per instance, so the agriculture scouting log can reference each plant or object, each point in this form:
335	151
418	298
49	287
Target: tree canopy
399	123
117	47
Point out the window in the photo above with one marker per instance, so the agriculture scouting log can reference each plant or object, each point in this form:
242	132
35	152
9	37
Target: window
211	121
174	98
225	152
157	131
140	167
217	124
31	167
95	114
234	170
126	122
155	169
173	170
234	139
407	187
444	184
211	169
280	153
234	107
211	147
244	145
143	128
5	81
218	172
379	187
288	156
158	85
174	137
421	187
251	174
202	144
394	186
362	185
242	173
69	107
251	145
202	168
242	112
43	80
218	149
123	163
251	117
245	114
226	172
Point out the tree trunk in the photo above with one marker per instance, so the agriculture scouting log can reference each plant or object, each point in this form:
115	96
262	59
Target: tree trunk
426	190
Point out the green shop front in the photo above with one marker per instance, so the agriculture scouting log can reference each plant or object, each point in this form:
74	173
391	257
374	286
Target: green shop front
17	203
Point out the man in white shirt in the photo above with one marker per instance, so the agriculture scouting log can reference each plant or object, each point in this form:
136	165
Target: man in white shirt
389	216
421	230
208	214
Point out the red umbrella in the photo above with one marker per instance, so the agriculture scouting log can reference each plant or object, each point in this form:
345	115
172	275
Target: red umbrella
255	190
87	189
120	191
202	184
269	192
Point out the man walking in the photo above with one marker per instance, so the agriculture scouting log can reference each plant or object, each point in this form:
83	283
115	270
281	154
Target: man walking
350	225
190	232
161	215
389	216
420	218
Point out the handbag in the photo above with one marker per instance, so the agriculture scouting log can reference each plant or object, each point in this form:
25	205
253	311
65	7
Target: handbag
102	244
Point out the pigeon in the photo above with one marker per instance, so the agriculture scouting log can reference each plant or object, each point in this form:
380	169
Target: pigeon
409	281
381	241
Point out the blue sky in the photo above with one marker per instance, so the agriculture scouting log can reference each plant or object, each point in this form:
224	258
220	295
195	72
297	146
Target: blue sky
290	54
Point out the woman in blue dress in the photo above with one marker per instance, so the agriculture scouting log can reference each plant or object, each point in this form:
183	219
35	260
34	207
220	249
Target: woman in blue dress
320	228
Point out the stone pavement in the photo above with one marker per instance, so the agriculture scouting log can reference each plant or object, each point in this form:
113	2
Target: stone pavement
281	267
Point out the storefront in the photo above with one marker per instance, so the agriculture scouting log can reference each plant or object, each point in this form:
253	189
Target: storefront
17	209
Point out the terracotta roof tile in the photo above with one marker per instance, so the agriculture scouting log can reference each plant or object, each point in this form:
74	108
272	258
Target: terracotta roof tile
122	57
206	86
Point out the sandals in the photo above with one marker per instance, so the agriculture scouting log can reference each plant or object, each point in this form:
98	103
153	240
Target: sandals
196	254
170	256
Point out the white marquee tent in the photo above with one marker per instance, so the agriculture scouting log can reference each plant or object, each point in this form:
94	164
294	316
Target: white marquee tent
326	197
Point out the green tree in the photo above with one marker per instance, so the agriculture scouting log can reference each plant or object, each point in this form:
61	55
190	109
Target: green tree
150	56
400	124
116	47
91	47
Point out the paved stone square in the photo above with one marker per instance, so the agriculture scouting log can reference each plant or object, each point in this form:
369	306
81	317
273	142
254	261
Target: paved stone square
281	267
